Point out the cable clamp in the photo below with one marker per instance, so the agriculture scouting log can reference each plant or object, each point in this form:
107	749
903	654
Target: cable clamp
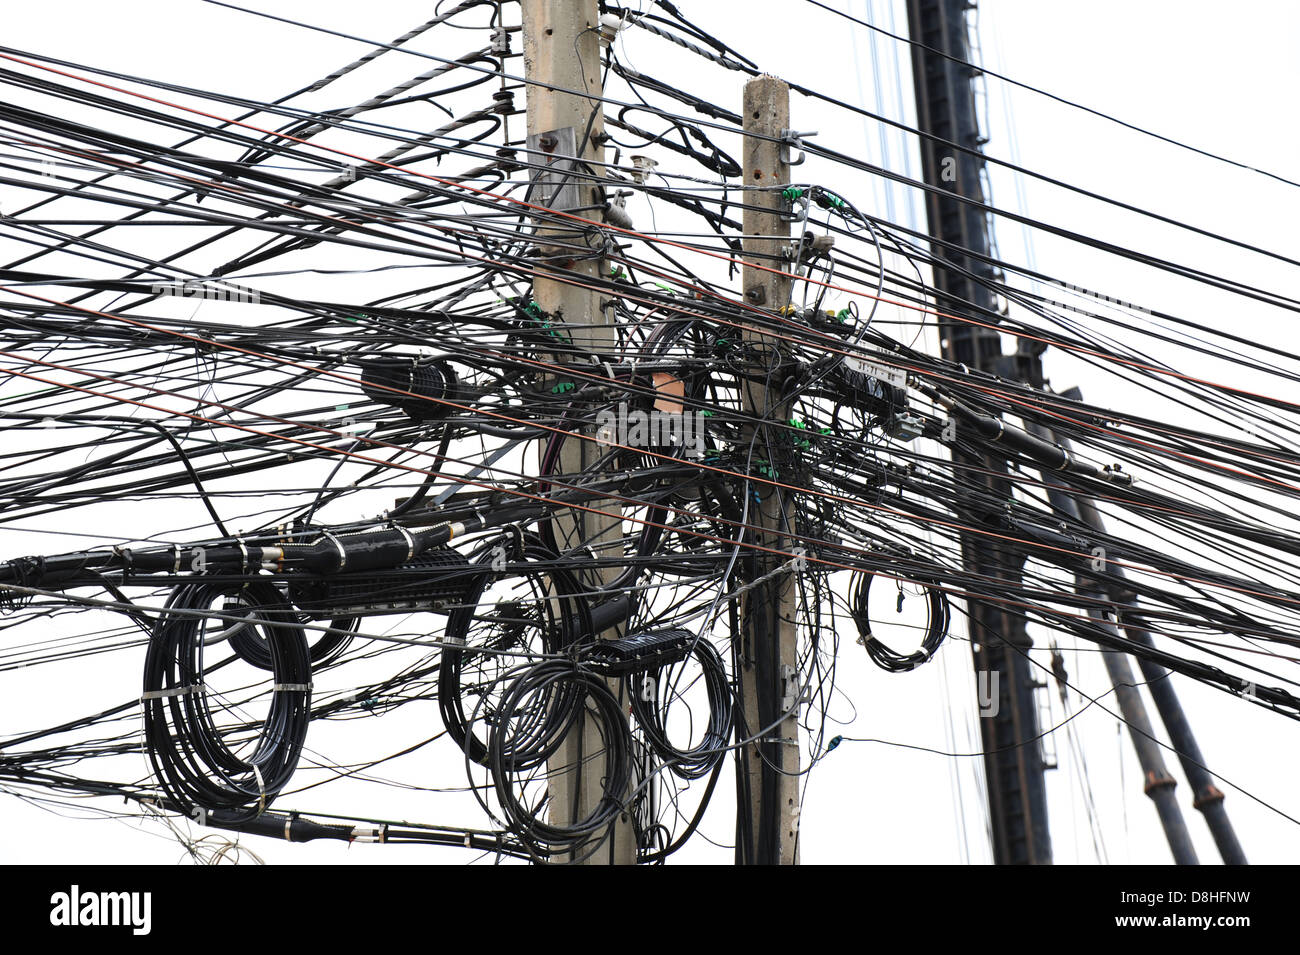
124	553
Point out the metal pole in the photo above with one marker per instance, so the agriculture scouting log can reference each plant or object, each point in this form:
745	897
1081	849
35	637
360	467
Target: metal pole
1207	798
1013	761
1156	781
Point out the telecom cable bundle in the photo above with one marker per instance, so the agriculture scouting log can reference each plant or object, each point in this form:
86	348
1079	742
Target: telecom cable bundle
199	765
540	708
655	689
936	628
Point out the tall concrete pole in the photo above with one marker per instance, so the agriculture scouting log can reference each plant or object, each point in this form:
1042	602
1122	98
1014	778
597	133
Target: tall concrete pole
768	797
562	64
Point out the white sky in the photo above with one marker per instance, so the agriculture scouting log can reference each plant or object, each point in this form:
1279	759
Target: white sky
1212	76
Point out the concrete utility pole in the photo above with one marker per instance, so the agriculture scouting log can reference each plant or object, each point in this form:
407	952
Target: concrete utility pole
565	132
767	823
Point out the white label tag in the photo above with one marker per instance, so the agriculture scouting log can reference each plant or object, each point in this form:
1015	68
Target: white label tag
894	376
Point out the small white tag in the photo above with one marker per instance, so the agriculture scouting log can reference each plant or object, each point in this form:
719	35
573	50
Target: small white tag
894	376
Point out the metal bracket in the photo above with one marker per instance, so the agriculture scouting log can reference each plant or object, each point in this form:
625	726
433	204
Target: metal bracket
790	696
554	185
905	427
808	248
793	139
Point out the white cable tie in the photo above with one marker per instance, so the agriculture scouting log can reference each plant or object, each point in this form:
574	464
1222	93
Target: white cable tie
292	687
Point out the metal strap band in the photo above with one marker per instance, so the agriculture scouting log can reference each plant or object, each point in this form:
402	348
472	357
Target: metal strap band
338	545
261	789
173	691
410	541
